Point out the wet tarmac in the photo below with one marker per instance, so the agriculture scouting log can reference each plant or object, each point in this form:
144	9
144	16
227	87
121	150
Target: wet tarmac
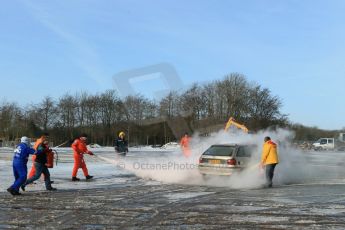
121	200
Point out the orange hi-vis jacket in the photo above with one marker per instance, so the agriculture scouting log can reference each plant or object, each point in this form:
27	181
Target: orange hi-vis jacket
185	142
185	146
38	142
79	147
33	169
269	153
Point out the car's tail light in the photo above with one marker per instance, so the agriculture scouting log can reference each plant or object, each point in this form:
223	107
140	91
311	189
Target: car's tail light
201	160
232	161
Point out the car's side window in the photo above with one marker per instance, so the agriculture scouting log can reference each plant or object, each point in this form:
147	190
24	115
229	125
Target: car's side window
244	151
248	151
241	152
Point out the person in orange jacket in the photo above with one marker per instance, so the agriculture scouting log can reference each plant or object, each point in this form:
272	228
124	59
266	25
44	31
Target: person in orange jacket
44	137
269	159
185	145
79	149
41	167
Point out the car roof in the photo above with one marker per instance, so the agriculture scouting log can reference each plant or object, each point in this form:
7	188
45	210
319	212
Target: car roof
229	145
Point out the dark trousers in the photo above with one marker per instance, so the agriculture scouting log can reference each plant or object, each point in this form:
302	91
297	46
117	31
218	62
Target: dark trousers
269	174
40	168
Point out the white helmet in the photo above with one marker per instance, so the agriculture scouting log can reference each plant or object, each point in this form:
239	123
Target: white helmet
25	140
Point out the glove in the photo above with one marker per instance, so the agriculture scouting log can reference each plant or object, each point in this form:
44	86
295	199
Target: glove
91	153
261	165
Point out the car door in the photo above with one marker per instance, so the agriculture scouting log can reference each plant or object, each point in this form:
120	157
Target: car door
330	144
242	156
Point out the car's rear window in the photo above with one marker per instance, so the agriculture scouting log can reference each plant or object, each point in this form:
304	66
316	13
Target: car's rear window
220	151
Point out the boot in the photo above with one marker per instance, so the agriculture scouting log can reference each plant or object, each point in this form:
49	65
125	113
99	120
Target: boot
51	189
23	188
13	192
88	177
75	179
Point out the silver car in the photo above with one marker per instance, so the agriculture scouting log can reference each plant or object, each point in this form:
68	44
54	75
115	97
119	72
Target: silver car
225	159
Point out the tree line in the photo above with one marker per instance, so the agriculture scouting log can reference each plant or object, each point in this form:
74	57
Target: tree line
311	134
146	121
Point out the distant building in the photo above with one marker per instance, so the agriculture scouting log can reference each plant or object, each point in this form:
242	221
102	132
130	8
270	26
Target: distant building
342	137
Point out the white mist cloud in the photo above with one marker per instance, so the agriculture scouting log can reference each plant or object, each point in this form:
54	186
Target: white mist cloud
294	166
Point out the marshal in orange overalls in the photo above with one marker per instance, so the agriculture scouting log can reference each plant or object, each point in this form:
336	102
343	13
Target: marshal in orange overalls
185	145
79	149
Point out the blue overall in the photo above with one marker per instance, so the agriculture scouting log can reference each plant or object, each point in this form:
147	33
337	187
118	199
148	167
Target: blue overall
20	160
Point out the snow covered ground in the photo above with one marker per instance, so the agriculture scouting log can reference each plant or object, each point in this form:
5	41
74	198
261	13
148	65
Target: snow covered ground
137	192
107	167
170	166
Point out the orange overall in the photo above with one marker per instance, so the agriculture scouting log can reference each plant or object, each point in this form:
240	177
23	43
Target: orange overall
79	149
33	169
185	146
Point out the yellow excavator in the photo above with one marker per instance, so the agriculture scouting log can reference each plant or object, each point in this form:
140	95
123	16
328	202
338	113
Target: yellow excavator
232	121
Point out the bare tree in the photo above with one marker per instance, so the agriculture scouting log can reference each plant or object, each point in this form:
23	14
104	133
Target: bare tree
263	107
103	115
47	113
67	108
191	101
168	106
11	118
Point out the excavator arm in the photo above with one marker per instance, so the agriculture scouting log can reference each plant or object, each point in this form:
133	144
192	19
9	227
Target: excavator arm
232	121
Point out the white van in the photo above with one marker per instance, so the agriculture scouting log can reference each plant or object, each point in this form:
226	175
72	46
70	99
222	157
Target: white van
324	144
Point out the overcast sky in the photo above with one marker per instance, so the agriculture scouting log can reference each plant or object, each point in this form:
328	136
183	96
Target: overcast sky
295	48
